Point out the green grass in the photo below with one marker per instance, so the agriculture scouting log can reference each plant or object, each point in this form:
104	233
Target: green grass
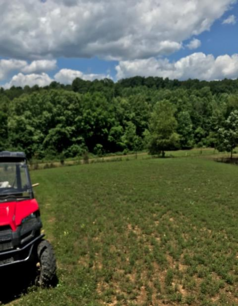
201	152
141	232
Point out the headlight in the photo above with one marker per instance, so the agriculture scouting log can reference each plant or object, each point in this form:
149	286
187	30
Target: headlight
31	216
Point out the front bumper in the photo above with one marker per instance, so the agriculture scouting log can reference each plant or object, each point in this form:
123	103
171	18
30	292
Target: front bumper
17	246
19	255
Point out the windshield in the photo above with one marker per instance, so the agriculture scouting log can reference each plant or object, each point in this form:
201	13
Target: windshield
14	181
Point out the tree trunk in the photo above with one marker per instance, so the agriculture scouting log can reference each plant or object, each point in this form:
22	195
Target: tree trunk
231	153
163	154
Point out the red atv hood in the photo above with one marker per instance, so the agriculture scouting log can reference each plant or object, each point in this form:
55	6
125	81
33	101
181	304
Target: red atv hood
12	213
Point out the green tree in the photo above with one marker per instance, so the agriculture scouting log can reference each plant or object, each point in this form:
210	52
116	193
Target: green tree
199	136
232	104
3	132
185	130
228	134
81	86
115	138
130	139
162	128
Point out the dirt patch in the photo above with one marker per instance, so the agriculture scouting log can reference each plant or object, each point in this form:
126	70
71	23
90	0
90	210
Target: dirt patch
182	267
182	290
142	298
135	229
84	261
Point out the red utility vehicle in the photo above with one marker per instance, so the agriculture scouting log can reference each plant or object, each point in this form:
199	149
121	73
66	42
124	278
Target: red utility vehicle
21	239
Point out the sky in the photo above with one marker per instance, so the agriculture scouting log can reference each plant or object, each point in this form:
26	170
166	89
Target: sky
58	40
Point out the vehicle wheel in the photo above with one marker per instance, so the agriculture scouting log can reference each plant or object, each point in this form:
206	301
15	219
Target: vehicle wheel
46	264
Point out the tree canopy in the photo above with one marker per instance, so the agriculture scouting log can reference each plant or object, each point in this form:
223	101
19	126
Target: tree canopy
228	134
162	129
103	117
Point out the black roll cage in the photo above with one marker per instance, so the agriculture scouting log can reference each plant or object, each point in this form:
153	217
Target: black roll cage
17	157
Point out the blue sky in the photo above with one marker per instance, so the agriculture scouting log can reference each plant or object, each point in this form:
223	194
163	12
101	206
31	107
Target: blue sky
63	39
219	40
89	65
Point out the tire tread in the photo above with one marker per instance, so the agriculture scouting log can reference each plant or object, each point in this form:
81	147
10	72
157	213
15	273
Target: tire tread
47	262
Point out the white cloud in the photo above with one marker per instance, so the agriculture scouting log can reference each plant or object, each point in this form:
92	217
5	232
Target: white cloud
40	66
66	76
230	20
123	29
194	44
10	65
31	79
197	65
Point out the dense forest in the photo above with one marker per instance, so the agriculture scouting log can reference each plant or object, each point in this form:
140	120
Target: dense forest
131	115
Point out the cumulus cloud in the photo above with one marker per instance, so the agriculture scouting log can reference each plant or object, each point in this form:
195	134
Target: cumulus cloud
22	80
40	66
230	20
66	76
124	29
10	65
197	65
194	44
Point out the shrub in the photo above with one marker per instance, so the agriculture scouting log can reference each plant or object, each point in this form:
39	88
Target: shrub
85	157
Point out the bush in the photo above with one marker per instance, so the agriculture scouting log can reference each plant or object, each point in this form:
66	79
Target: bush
75	150
98	150
85	157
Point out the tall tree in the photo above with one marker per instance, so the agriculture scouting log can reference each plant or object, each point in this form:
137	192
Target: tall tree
228	134
185	130
162	128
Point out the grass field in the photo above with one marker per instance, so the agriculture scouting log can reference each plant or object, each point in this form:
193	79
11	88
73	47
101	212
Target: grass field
197	152
141	232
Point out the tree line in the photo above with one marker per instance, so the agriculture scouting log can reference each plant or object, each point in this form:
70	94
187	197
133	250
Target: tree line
131	115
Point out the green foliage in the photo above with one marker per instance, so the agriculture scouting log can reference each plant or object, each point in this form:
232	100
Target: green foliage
162	127
185	130
199	136
70	119
232	104
3	131
98	150
228	134
130	139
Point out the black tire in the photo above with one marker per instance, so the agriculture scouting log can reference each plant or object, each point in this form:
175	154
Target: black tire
46	264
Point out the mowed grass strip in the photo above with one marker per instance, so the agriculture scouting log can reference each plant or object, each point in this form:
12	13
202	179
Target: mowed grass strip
142	232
